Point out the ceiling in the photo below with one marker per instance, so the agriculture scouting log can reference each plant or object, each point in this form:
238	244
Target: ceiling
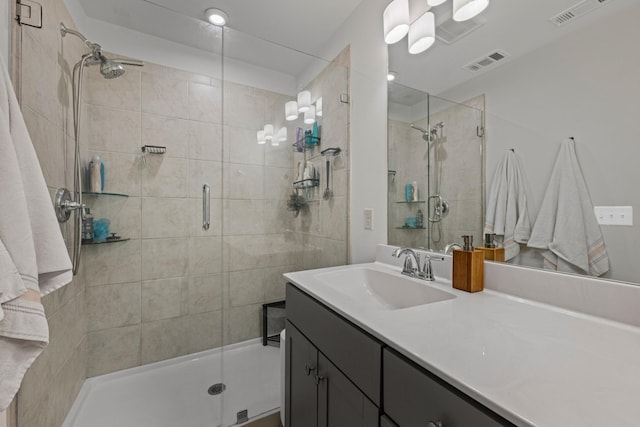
259	31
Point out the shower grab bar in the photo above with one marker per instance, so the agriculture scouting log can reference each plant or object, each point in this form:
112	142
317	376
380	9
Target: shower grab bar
206	207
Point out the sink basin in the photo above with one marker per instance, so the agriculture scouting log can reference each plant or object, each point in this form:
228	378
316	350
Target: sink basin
382	290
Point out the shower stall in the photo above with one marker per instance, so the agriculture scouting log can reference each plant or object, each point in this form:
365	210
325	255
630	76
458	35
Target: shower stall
439	145
199	231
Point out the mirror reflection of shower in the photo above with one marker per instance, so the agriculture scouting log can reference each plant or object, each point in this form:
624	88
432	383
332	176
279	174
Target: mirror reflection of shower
66	202
437	207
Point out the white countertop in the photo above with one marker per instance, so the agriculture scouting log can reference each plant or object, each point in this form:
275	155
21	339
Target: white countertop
534	364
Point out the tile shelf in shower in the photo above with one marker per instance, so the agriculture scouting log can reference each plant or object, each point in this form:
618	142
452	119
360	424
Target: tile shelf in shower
306	183
105	242
92	193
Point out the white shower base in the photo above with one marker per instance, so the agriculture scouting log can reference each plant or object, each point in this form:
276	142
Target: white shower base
174	392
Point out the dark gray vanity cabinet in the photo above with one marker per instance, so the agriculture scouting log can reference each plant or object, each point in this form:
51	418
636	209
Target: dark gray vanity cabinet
332	368
414	397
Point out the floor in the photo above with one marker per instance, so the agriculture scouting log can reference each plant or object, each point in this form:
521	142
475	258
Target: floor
272	420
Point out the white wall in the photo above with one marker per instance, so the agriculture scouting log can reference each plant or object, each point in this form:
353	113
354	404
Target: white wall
584	85
368	89
5	31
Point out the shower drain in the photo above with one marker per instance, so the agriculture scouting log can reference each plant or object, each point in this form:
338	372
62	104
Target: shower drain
216	389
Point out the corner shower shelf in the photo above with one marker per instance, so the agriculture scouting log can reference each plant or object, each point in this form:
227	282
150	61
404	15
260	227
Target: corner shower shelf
411	202
306	143
411	228
92	193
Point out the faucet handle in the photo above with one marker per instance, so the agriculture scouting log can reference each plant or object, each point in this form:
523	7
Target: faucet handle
427	269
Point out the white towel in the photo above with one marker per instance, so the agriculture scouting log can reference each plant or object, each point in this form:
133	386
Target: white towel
566	225
33	258
507	214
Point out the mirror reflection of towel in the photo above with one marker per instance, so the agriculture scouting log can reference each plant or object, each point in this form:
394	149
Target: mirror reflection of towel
33	257
507	214
566	225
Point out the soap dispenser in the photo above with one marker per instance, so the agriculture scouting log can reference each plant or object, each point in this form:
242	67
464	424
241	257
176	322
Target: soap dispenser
490	249
468	267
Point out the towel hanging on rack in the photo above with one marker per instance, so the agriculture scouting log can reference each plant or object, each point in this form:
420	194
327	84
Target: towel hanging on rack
507	214
566	225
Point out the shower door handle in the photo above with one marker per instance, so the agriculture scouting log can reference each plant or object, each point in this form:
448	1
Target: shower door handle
206	207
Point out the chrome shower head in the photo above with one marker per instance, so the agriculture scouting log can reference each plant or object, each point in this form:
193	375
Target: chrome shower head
110	69
424	131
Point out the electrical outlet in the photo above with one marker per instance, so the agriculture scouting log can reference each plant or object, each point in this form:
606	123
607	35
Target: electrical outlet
368	218
614	215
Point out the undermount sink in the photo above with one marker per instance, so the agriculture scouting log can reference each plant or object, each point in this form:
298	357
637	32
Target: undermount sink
382	290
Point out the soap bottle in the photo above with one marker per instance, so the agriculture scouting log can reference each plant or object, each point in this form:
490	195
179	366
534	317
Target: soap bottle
414	191
490	249
87	226
419	219
468	267
96	175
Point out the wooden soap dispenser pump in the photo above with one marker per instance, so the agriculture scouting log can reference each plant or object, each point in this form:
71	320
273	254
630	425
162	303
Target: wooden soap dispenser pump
490	249
468	267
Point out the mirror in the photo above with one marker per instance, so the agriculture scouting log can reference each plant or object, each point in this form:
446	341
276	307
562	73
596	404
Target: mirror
579	81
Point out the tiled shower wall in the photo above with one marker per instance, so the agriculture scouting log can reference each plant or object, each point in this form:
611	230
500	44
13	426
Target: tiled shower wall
461	181
43	65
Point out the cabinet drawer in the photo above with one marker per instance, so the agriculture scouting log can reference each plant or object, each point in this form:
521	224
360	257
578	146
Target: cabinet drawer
413	397
352	350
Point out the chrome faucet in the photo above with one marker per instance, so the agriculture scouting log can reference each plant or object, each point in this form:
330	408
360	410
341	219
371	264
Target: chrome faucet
412	267
450	247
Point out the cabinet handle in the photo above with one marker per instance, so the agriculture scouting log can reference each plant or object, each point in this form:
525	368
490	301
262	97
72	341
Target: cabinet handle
206	207
308	369
434	424
319	378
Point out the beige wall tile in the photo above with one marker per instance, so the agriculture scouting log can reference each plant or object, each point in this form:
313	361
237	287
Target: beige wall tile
205	293
259	251
243	181
205	103
166	131
243	323
48	142
163	340
196	218
205	141
205	255
205	331
162	258
109	129
123	93
241	146
165	95
113	349
163	217
112	263
246	287
205	172
164	176
243	217
112	306
246	109
164	298
278	183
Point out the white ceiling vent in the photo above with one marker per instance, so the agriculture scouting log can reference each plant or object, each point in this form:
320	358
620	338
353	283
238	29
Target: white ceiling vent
575	11
487	61
450	31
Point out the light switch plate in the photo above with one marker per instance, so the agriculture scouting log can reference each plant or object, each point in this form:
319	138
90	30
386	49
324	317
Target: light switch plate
614	215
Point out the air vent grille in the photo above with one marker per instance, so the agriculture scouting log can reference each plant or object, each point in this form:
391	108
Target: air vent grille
575	11
487	61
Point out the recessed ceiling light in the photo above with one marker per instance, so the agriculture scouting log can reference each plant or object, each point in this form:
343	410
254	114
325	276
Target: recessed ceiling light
391	76
216	17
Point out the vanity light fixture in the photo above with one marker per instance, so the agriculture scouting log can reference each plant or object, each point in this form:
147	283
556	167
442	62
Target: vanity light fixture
216	16
268	132
467	9
304	101
422	33
261	138
291	110
319	107
391	76
395	20
310	115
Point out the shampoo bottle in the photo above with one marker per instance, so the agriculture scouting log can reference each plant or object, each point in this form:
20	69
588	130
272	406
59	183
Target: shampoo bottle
96	175
490	249
468	267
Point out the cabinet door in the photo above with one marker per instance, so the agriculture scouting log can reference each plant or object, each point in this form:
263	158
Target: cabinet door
301	400
340	403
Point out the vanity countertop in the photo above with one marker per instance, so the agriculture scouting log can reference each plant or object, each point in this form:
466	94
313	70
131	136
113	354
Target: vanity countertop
534	364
